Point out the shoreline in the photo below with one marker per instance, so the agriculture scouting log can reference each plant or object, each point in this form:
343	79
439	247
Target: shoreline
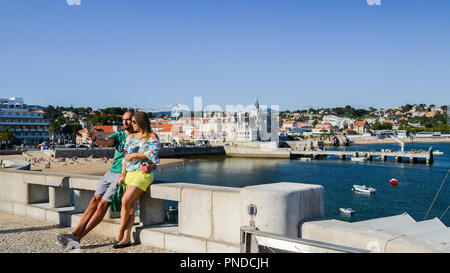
94	166
97	168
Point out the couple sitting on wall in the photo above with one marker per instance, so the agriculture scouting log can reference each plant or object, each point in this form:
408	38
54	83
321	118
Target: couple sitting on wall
135	157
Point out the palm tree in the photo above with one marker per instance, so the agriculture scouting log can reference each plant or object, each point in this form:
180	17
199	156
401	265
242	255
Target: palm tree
55	128
7	136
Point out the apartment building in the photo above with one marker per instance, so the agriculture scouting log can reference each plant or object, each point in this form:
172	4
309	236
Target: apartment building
26	122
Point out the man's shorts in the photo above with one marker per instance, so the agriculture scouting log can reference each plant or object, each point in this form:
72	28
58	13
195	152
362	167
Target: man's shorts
107	185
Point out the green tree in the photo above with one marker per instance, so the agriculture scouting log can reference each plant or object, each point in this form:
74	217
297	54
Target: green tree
381	126
7	137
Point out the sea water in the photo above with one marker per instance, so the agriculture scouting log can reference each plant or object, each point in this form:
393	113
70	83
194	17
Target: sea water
417	187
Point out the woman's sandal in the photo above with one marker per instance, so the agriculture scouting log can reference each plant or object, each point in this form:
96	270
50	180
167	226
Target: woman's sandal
122	245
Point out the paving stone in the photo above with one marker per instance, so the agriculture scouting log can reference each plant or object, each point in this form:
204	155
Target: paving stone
19	234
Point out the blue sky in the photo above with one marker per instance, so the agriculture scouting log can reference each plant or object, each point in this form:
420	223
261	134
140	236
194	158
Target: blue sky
154	53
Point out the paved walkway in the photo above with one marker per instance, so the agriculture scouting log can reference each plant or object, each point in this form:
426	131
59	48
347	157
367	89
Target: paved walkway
20	234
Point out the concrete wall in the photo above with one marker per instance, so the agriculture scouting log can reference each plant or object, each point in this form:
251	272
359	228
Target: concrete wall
209	217
82	153
177	152
10	152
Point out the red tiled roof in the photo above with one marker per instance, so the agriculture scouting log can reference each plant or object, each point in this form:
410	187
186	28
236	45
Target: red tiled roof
104	128
288	122
360	123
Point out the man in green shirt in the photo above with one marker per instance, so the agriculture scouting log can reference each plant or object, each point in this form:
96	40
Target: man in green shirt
101	201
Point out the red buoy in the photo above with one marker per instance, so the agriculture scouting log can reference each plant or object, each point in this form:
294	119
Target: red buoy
393	181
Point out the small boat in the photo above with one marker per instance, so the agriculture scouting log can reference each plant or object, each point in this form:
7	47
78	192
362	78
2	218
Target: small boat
393	181
359	159
364	189
305	159
348	211
437	152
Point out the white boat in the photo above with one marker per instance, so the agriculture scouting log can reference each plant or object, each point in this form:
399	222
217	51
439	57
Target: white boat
364	189
437	152
347	210
359	159
305	159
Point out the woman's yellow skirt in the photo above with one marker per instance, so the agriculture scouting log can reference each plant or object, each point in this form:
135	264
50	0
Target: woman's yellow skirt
139	179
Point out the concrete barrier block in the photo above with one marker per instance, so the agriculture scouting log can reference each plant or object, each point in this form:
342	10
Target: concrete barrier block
12	187
169	191
59	197
75	219
19	208
184	244
154	235
195	210
151	210
150	237
346	234
6	206
81	199
61	216
217	247
106	228
53	216
87	182
36	212
410	244
38	179
281	207
37	193
226	219
57	181
110	214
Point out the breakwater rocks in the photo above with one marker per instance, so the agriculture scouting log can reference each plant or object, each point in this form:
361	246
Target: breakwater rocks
166	152
336	140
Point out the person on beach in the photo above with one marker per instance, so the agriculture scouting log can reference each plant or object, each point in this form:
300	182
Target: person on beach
101	201
141	148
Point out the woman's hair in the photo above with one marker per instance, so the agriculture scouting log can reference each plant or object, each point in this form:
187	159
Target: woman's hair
144	124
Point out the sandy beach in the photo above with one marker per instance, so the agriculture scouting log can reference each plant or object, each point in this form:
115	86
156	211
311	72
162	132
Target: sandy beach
92	166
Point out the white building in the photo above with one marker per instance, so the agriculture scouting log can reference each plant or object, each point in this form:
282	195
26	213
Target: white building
337	122
241	126
257	125
26	122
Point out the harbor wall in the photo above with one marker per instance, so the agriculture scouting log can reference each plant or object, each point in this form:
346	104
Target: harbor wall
209	217
233	151
10	152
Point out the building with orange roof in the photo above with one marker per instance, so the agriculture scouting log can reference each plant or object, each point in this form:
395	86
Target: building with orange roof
322	128
361	127
437	109
289	124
